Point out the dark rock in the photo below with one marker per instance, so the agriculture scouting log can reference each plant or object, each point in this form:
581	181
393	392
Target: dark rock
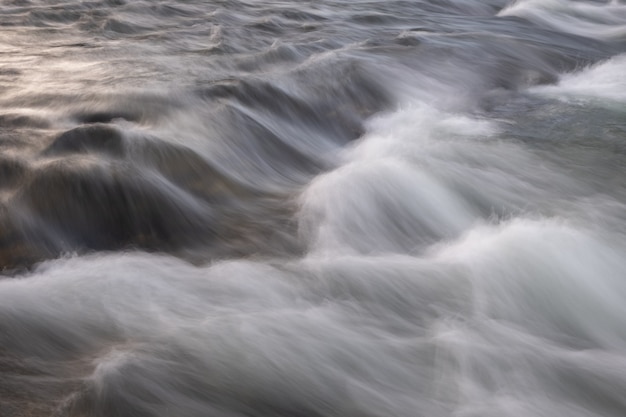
105	117
100	138
12	171
73	204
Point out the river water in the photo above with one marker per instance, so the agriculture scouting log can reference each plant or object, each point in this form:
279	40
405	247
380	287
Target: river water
365	208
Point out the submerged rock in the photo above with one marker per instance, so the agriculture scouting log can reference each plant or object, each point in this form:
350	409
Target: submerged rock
100	138
83	203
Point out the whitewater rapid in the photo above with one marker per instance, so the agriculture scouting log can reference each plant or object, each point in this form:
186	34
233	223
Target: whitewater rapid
386	208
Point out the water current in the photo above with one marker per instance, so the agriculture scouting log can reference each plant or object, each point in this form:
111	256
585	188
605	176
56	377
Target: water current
330	208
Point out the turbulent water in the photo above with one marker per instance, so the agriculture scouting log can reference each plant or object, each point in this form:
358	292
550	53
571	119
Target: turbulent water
340	208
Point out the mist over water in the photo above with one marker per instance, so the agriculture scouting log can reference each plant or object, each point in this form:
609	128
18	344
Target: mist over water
332	208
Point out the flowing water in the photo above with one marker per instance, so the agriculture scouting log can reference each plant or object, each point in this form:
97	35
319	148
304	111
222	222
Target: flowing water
350	208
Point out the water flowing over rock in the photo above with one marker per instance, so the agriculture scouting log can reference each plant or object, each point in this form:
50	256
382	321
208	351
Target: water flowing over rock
333	208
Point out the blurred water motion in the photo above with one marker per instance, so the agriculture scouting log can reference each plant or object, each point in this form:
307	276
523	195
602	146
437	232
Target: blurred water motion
332	208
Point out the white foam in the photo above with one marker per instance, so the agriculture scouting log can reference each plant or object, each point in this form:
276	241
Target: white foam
568	275
384	197
381	205
341	332
604	81
594	20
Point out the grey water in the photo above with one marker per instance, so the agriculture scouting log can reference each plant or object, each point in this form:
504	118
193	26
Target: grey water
336	208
